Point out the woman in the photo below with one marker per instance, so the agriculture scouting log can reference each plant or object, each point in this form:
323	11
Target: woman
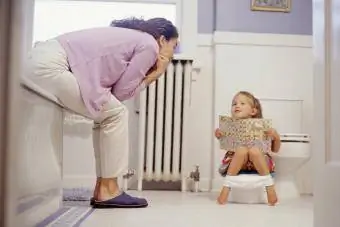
91	72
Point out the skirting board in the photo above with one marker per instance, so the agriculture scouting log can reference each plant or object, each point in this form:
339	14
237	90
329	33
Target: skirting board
88	182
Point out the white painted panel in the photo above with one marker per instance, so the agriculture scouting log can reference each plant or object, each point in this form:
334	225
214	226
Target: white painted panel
286	115
269	72
39	165
41	145
78	144
272	67
200	114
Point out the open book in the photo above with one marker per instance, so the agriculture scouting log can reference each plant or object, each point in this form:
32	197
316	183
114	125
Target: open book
241	132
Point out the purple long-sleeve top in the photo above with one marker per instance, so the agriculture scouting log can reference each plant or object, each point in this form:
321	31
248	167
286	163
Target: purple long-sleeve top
109	61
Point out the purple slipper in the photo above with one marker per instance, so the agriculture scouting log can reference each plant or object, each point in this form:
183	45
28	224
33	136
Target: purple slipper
92	201
122	201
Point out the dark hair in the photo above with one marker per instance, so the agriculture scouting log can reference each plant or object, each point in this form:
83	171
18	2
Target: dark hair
156	27
255	102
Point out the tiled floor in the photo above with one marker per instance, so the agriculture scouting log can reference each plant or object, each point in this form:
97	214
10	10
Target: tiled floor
169	209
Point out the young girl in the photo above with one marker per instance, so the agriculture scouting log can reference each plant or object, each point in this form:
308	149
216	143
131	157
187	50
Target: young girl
248	158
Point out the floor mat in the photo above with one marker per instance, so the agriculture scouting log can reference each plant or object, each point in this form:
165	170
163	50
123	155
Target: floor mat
77	194
67	217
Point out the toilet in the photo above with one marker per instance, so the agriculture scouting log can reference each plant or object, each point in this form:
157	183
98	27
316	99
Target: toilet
294	153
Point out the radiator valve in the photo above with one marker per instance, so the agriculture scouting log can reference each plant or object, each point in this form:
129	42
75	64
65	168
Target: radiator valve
126	177
129	174
195	176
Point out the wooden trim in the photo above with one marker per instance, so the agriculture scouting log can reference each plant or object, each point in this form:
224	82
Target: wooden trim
328	74
270	8
262	39
5	21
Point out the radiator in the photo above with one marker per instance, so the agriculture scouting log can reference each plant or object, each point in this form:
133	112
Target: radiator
162	116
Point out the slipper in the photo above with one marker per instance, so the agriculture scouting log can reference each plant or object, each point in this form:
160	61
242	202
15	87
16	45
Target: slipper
92	201
122	201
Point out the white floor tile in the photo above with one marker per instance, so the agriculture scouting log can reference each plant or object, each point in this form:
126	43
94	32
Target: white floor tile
169	209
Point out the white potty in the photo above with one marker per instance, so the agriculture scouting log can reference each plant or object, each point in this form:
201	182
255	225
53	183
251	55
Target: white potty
248	188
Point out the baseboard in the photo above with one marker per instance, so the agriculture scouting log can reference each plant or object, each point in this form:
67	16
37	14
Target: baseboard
204	185
216	184
87	182
262	39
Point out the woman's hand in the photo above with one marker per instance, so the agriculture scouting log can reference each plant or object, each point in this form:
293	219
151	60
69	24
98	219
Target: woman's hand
156	71
162	64
218	133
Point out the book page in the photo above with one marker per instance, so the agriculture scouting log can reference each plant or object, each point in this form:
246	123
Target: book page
239	132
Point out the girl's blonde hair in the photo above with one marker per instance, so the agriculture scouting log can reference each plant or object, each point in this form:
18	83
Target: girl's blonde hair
255	102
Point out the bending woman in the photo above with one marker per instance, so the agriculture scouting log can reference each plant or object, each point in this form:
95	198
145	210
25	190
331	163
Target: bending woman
91	72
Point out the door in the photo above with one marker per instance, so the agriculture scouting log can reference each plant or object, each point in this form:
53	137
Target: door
326	142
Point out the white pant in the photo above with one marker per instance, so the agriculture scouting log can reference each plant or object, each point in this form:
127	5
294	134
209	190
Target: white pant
49	69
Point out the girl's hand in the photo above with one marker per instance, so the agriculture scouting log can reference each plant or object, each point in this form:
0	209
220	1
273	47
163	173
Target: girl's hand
276	141
272	133
218	133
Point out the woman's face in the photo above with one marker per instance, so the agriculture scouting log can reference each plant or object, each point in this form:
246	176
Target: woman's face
167	47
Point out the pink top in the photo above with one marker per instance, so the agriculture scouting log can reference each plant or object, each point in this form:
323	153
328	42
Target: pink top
109	60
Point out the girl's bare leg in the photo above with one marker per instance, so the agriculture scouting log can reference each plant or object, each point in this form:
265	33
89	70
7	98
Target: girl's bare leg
239	159
257	157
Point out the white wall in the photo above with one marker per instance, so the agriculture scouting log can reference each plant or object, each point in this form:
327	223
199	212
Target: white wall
278	70
200	114
244	61
39	166
78	159
78	156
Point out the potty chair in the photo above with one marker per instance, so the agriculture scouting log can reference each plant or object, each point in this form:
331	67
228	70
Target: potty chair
248	188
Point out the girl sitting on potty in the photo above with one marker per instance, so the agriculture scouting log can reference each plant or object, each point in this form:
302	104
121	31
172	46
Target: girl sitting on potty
248	158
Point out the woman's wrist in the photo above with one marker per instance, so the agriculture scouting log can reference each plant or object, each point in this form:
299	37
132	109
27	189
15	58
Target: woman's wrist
151	77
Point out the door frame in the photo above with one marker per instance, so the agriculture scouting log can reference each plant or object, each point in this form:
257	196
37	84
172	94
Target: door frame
325	143
5	19
13	53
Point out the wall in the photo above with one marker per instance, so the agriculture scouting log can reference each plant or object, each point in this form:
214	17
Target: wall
224	16
39	167
275	68
230	28
236	16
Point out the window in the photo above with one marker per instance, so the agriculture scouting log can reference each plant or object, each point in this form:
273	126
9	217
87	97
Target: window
54	17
